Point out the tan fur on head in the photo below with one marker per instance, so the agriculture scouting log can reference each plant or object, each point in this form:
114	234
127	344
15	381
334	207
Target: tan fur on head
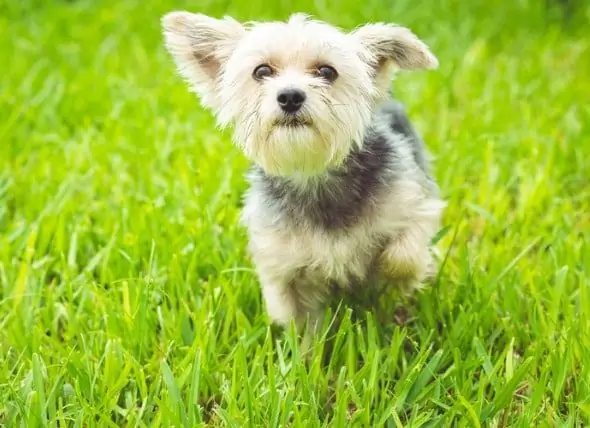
218	56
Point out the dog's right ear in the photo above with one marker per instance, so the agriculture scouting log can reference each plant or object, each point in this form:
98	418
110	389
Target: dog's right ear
200	46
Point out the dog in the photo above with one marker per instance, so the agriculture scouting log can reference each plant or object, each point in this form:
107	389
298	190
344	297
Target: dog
340	192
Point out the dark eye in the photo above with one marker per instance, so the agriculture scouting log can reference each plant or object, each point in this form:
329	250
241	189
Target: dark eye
262	71
327	72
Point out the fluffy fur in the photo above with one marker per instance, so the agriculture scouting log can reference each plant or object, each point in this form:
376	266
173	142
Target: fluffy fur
340	194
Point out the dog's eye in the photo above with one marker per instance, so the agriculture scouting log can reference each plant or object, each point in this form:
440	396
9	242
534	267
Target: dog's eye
262	71
327	72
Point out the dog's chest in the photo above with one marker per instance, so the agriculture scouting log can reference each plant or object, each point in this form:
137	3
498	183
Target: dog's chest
340	257
337	257
330	227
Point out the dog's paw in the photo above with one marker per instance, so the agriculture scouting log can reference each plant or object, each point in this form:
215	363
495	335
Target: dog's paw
404	258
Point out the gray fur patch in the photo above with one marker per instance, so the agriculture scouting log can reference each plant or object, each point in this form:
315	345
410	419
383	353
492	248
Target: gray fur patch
399	123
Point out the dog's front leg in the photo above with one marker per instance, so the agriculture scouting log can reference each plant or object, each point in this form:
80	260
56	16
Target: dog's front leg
279	299
407	259
292	299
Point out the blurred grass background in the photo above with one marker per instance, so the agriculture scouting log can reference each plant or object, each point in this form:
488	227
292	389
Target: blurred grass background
126	295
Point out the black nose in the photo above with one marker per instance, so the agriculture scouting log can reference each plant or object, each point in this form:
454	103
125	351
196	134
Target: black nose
291	100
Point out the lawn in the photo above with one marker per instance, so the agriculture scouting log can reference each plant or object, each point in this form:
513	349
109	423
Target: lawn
127	297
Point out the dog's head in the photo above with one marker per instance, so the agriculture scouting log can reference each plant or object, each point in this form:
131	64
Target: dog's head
299	94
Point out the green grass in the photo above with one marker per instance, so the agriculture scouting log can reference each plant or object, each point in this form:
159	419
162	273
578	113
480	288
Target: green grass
126	294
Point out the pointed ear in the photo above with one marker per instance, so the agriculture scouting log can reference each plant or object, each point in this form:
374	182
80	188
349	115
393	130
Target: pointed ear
388	44
200	46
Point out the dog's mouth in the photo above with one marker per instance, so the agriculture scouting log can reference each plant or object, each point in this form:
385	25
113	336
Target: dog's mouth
292	122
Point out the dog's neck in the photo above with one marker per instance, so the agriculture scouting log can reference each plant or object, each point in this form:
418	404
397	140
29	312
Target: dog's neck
323	178
336	198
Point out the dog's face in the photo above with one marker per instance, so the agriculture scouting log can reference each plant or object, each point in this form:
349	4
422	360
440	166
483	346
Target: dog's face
299	94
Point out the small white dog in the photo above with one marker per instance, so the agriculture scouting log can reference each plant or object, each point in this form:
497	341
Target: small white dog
340	194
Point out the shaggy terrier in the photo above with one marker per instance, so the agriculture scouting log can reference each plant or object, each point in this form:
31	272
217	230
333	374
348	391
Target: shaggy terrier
340	192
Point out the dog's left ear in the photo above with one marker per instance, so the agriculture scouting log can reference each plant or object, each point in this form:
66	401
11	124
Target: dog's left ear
389	43
200	46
